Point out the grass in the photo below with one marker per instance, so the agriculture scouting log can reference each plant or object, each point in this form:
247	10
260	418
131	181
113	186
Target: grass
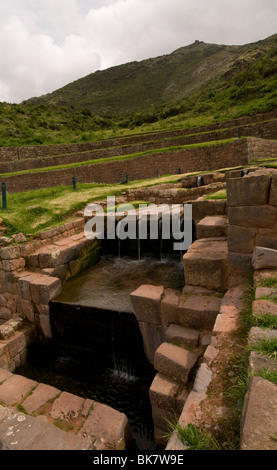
193	437
217	196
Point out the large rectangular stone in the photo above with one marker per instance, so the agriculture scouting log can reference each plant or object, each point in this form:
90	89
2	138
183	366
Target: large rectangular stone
44	288
264	258
163	392
174	362
241	239
199	312
15	389
253	216
251	190
39	397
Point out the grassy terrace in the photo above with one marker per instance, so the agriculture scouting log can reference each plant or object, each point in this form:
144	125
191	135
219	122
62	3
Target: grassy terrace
119	158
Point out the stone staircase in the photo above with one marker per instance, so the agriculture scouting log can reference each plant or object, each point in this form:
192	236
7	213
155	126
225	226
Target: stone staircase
177	358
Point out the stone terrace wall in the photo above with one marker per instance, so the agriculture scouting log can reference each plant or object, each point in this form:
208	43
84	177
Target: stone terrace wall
260	149
196	159
256	122
252	202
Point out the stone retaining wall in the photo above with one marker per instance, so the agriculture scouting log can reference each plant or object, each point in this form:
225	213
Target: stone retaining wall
252	202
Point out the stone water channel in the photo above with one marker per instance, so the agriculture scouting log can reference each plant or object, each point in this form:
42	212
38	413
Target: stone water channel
97	348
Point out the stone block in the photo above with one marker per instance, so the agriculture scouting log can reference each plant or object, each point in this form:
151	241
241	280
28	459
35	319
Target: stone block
174	362
10	252
162	417
256	335
240	264
108	428
6	331
205	264
169	307
163	392
258	362
253	216
199	312
252	190
24	285
44	288
264	258
263	274
267	238
27	310
14	264
259	416
29	433
4	375
241	239
44	325
67	407
182	336
15	389
203	379
211	226
146	301
263	307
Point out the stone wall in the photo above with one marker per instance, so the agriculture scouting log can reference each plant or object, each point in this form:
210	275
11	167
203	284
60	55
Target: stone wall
252	202
146	166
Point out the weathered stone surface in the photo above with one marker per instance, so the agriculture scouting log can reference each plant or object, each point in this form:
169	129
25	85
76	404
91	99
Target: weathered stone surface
163	392
265	292
174	362
253	216
210	354
251	190
203	379
161	417
241	239
256	335
225	323
182	336
267	238
199	312
5	313
9	253
205	264
259	416
263	307
109	429
262	275
15	389
44	288
4	375
24	285
234	300
6	331
211	226
67	407
258	361
153	335
273	190
28	433
264	258
40	396
146	302
240	264
174	443
191	409
169	307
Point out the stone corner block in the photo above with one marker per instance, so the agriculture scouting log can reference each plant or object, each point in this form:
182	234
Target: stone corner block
146	302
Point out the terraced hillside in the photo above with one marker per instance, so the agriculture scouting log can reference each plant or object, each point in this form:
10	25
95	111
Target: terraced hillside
139	156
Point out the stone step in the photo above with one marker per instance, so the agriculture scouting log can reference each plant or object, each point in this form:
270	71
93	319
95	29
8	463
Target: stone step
199	312
211	226
8	328
181	336
175	362
205	264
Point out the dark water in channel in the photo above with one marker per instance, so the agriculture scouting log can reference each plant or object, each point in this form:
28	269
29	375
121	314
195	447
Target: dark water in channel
97	345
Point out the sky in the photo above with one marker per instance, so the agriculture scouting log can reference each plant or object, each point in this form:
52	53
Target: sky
46	44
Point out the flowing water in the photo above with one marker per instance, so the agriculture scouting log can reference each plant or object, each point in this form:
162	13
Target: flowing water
98	350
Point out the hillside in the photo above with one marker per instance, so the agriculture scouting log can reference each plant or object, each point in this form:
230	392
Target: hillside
195	85
174	79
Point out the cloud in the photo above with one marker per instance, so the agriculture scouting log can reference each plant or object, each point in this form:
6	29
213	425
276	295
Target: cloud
46	44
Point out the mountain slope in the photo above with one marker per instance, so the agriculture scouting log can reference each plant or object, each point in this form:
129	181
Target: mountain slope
152	84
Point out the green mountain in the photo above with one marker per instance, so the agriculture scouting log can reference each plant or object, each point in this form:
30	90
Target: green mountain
176	80
195	85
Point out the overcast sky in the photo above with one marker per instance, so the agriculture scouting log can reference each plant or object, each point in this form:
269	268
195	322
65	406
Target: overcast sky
46	44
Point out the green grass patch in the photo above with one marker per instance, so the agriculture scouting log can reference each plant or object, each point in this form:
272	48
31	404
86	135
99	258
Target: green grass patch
267	347
193	437
267	374
266	321
220	195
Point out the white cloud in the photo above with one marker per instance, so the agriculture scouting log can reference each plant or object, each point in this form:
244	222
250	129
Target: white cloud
47	44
